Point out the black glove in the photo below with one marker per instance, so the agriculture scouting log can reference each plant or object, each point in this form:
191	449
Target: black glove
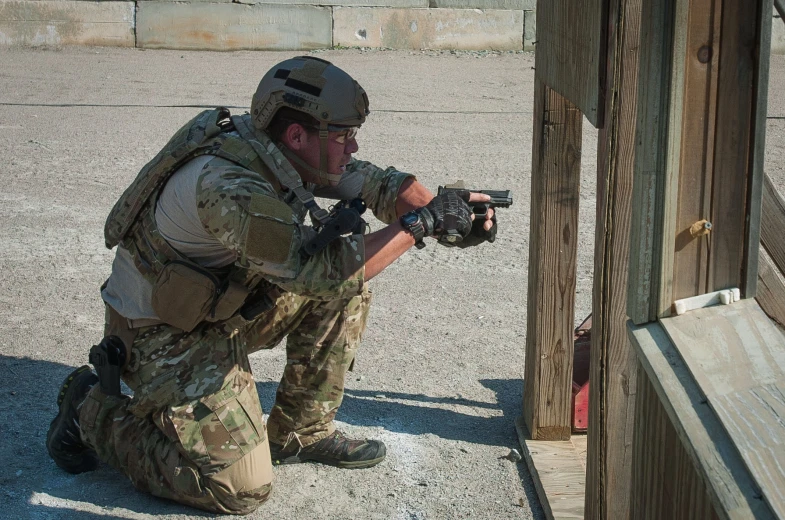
447	217
478	234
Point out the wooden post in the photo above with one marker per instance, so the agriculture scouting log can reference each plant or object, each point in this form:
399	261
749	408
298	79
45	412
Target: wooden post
654	106
613	364
553	243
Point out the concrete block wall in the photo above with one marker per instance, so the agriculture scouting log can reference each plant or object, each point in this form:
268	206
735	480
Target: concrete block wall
502	25
54	22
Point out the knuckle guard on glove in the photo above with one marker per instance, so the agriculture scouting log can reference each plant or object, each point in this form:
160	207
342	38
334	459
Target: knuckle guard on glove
452	221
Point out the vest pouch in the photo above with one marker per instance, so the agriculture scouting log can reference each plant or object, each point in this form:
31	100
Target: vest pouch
184	294
229	302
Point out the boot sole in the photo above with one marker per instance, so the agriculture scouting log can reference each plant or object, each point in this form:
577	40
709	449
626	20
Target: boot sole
300	458
87	460
360	464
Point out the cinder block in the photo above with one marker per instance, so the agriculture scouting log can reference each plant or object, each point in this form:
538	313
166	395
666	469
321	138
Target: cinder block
529	29
166	25
462	29
193	1
521	5
349	3
65	22
777	35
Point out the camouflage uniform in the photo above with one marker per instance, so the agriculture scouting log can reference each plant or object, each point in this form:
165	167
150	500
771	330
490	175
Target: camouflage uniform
193	431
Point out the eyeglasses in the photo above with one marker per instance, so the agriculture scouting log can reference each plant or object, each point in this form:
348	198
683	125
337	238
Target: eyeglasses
344	133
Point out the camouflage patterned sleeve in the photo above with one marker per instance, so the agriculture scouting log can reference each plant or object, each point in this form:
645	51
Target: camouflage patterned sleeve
246	216
380	188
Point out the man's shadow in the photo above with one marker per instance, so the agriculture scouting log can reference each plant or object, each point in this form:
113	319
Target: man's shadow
33	486
415	414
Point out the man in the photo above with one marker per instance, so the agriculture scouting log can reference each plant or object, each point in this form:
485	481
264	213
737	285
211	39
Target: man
215	261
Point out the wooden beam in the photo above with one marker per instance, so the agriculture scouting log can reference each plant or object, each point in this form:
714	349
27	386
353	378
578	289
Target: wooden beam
669	187
571	52
762	54
553	243
771	290
773	224
651	160
612	368
694	161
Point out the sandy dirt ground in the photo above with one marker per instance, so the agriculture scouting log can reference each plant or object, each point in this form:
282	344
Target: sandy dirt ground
439	375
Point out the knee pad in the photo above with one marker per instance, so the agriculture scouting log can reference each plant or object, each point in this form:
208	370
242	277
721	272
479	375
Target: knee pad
246	484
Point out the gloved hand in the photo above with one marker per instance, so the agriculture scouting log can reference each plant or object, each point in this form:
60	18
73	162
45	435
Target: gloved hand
478	234
447	217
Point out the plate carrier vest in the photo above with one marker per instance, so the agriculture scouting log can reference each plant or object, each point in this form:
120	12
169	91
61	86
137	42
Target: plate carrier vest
131	221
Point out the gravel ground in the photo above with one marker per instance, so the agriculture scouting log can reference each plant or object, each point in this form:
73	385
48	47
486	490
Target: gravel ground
439	376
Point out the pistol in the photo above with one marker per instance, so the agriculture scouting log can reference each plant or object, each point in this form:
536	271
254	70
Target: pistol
499	198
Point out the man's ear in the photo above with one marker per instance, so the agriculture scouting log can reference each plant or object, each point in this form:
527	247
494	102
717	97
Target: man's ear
295	137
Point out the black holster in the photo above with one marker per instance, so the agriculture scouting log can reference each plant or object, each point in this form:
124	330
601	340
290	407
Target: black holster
108	358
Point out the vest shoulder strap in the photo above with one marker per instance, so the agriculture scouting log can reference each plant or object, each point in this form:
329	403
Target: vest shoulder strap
178	150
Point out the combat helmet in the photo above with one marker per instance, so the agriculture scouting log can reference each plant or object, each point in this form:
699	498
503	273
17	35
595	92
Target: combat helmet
317	88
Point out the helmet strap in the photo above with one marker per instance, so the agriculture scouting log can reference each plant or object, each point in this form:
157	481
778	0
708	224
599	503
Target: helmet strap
320	174
324	136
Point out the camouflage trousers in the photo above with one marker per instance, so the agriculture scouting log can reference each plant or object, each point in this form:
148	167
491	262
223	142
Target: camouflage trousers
193	431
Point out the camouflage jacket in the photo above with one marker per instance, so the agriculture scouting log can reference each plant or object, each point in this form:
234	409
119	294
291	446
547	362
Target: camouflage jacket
242	207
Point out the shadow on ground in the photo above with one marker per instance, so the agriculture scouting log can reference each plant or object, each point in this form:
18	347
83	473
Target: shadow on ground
453	418
36	488
31	486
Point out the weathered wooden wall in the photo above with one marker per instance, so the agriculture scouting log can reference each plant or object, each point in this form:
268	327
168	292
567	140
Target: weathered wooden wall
707	72
676	491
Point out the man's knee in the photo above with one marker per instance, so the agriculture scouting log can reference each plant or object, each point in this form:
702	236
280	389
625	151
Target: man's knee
242	502
246	484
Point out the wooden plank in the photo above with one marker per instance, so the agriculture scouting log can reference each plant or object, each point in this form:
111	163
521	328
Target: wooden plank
735	118
668	196
771	290
571	52
735	354
558	469
758	147
696	151
553	243
656	34
755	420
732	490
612	367
725	345
679	492
773	223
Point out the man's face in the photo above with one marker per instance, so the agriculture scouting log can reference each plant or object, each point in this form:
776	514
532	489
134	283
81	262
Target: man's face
340	147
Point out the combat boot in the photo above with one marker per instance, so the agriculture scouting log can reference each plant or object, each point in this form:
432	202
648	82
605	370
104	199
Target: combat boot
63	441
334	450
